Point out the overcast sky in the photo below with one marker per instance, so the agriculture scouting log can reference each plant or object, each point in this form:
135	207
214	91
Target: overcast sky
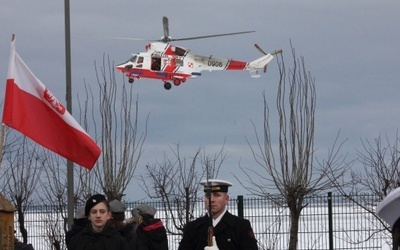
351	48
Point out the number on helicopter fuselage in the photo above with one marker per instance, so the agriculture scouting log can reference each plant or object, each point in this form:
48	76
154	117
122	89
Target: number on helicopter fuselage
215	64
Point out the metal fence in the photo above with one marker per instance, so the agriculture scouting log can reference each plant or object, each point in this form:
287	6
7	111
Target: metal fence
326	222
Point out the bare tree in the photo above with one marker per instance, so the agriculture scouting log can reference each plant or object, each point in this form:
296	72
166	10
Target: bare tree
53	230
53	186
21	168
176	181
296	175
379	175
121	143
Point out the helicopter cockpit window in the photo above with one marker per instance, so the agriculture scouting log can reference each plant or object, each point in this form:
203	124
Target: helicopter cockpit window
139	62
179	51
133	59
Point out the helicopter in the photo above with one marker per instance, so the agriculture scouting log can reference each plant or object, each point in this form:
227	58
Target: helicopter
174	64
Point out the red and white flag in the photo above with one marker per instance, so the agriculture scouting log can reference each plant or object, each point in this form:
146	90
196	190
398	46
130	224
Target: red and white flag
31	108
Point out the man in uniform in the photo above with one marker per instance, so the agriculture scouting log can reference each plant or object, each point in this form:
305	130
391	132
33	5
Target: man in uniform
229	231
388	210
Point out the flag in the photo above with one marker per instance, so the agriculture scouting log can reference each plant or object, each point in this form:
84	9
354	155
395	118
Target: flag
33	110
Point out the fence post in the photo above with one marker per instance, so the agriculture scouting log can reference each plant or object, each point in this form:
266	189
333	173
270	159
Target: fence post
330	221
240	206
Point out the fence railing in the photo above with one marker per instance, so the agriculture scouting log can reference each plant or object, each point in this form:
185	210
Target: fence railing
326	222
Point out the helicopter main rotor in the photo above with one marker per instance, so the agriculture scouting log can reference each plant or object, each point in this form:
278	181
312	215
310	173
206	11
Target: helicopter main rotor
166	38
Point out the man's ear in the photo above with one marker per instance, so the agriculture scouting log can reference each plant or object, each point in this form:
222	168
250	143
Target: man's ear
227	198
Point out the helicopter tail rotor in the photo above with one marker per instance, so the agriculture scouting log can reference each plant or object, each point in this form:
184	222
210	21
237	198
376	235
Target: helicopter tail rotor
276	52
263	52
260	49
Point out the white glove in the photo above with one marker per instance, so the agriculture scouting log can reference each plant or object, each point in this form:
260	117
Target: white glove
214	246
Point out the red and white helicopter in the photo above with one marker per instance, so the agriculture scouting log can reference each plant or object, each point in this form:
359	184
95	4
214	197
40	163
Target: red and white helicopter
175	64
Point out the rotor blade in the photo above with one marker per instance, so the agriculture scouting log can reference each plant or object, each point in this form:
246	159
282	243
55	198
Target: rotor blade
130	38
276	52
260	49
216	35
166	29
121	38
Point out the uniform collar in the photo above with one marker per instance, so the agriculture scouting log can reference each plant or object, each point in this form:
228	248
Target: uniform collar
218	219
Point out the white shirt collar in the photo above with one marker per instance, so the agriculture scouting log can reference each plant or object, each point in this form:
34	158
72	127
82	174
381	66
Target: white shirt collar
218	219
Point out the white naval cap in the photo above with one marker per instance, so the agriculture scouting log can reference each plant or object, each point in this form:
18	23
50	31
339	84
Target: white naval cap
389	208
215	185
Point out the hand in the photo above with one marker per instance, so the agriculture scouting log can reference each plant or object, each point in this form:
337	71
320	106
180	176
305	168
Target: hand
214	246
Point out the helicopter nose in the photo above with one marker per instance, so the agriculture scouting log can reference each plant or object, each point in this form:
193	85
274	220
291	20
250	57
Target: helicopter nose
124	67
121	68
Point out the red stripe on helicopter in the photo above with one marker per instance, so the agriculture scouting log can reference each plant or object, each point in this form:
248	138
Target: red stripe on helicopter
236	65
170	65
168	50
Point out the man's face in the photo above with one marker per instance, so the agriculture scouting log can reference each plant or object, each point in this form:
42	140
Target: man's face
219	200
99	215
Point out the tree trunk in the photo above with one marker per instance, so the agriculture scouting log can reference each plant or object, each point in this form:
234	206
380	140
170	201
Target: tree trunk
294	228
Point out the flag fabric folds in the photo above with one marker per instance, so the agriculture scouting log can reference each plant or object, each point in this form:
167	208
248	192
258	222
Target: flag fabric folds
31	108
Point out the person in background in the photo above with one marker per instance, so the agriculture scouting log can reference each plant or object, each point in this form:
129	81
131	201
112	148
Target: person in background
97	235
80	222
117	209
118	222
150	232
229	231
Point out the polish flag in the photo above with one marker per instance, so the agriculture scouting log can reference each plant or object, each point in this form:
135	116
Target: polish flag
31	108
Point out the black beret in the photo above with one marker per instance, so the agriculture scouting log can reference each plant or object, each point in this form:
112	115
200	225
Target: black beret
93	201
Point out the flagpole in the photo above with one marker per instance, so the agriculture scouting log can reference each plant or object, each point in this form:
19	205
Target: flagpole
2	138
70	165
3	126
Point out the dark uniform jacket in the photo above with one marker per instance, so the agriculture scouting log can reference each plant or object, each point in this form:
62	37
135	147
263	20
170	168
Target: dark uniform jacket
231	233
108	239
129	234
151	235
76	227
22	246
